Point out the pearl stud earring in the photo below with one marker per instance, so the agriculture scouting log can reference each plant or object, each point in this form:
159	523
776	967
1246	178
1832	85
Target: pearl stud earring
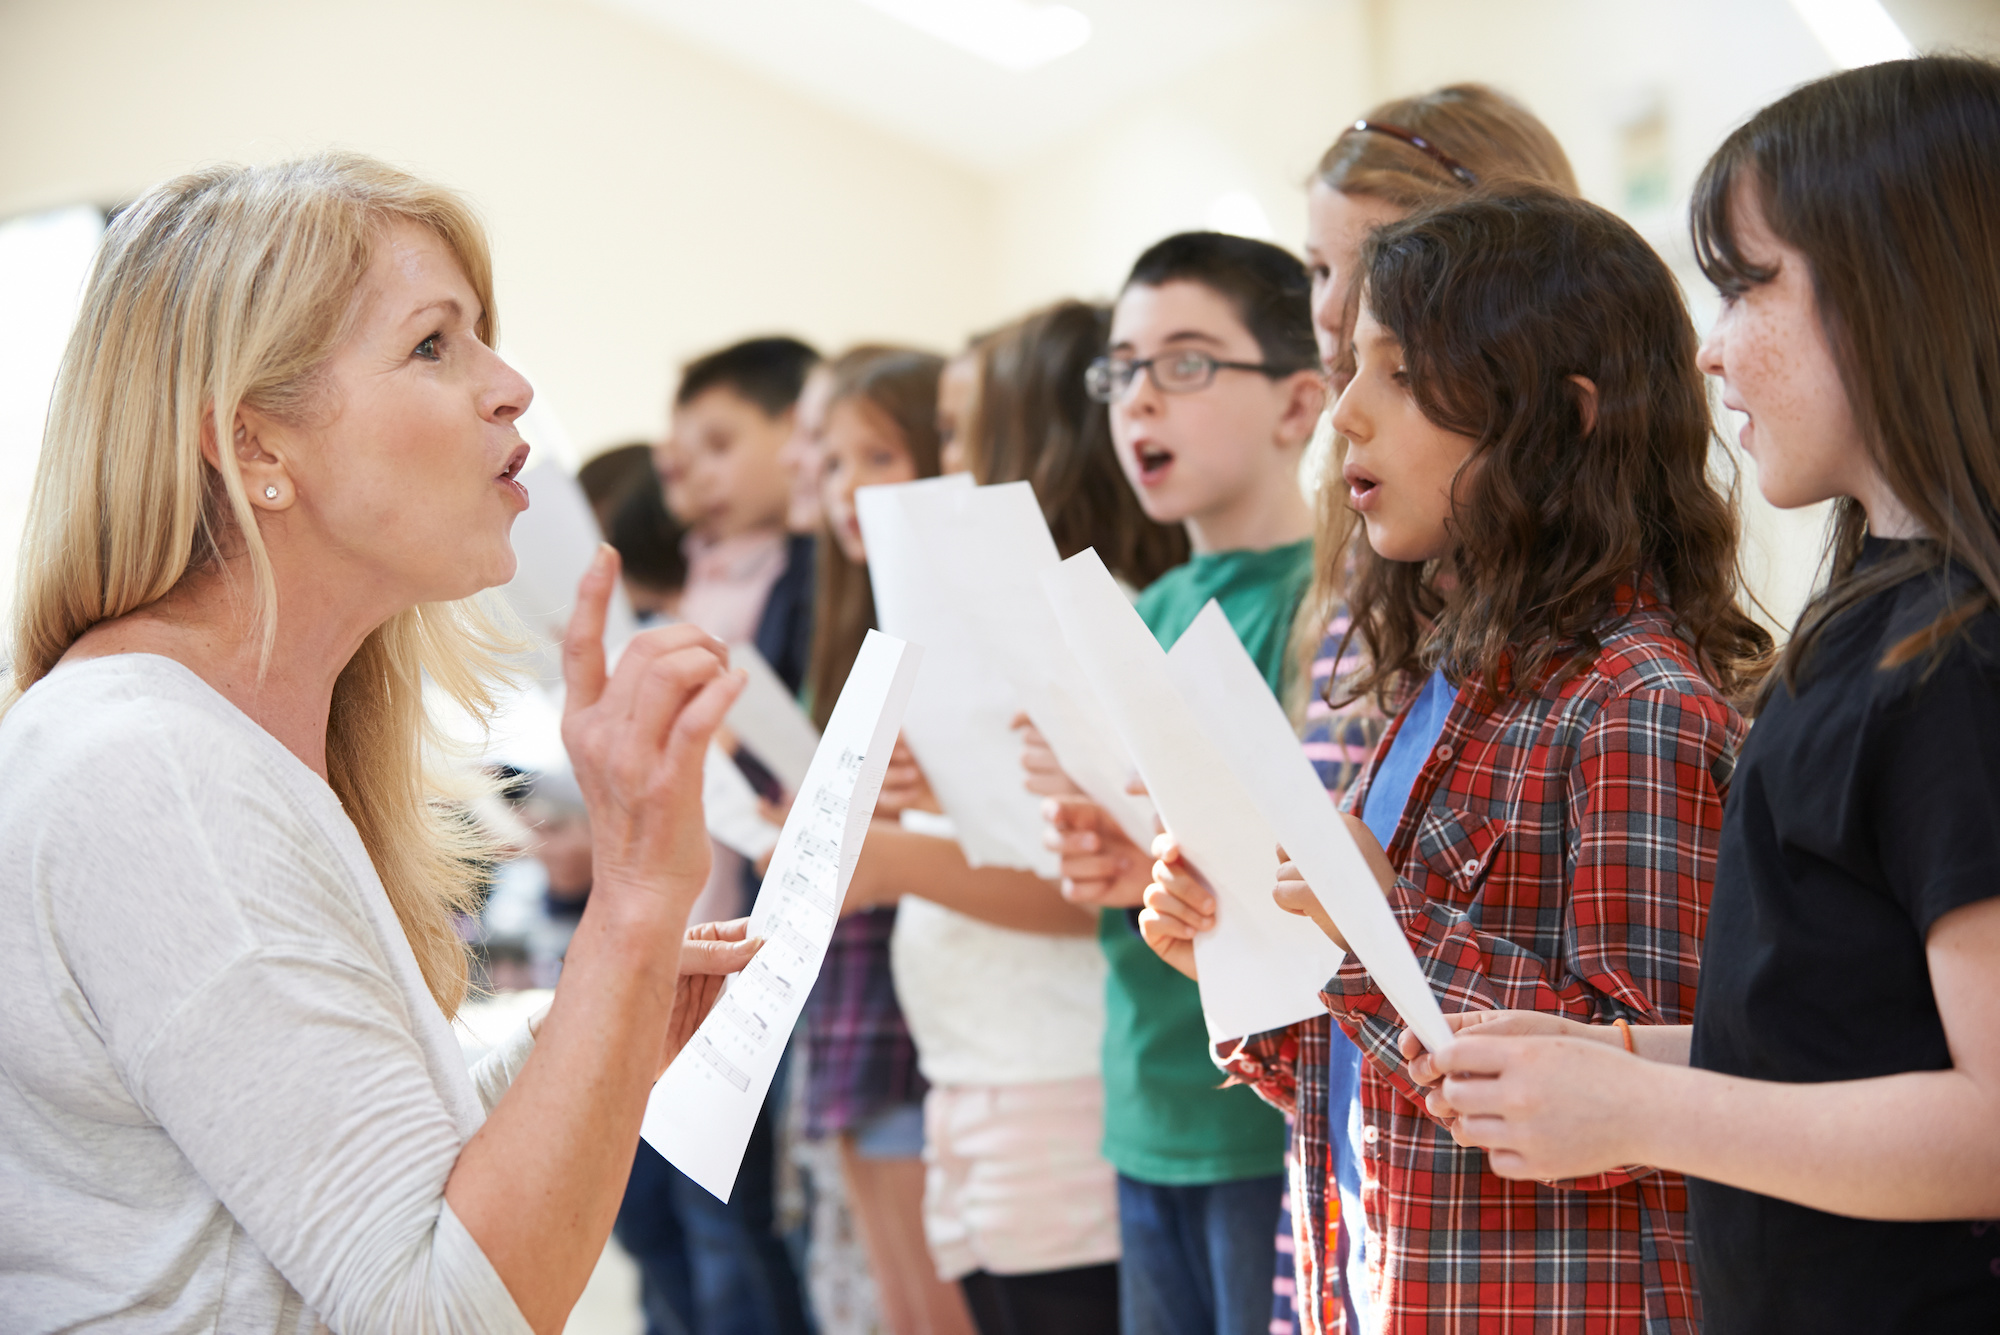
270	493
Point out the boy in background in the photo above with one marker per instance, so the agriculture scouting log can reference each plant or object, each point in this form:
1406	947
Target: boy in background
1214	388
733	412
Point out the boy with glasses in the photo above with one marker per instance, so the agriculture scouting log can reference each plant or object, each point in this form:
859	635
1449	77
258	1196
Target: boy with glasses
1214	391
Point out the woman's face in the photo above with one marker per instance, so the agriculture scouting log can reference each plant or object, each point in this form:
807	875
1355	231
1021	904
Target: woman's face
1336	225
403	488
1400	464
861	448
1771	353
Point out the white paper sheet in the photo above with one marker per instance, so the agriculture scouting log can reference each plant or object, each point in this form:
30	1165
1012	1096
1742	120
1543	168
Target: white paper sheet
768	721
958	721
1241	719
700	1113
1258	969
554	541
730	808
996	549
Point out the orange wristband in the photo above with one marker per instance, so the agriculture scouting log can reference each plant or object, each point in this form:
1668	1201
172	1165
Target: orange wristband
1625	1032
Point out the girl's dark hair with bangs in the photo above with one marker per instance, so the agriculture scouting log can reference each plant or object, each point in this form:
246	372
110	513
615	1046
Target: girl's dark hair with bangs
1498	300
1887	180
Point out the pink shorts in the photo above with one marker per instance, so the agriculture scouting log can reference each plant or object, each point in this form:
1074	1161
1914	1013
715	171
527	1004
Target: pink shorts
1014	1182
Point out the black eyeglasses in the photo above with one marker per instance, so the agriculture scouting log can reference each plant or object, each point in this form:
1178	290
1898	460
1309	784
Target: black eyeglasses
1109	379
1422	145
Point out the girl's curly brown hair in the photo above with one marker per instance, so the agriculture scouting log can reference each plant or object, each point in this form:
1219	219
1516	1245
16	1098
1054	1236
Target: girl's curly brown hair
1499	300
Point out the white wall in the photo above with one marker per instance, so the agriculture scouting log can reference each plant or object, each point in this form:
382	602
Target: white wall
646	202
649	201
1258	120
1255	120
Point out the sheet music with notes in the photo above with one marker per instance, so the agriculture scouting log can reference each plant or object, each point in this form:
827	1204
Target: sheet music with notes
700	1114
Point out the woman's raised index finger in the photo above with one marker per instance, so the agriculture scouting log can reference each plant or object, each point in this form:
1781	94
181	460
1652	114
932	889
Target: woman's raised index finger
583	641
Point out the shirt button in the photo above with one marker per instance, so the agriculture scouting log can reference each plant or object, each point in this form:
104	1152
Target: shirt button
1472	867
1444	753
1369	1135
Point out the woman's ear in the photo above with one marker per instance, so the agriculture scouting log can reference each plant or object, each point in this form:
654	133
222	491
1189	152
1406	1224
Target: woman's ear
1305	400
1586	401
266	480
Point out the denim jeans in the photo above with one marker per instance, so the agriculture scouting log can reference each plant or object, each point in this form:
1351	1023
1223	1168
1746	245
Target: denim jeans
708	1267
1198	1260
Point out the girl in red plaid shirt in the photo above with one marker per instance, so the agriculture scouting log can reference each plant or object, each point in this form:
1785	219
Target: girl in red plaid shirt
1549	600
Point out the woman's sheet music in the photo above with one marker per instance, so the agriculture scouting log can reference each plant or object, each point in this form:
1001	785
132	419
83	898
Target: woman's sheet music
701	1112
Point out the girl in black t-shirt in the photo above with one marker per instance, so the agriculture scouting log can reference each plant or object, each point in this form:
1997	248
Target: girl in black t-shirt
1838	1095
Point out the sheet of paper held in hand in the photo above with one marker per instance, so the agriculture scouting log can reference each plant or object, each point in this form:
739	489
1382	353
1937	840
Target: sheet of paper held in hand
700	1113
996	548
1261	968
1242	720
959	721
768	721
731	808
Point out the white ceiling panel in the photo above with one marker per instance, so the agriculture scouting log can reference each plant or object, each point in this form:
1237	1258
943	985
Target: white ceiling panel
856	59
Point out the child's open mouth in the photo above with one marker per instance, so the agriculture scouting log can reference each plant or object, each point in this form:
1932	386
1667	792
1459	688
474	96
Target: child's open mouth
1153	464
1361	487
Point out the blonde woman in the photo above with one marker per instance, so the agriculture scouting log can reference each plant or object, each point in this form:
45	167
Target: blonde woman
281	451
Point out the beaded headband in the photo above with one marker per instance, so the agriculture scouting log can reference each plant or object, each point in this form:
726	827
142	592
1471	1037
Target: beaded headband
1422	145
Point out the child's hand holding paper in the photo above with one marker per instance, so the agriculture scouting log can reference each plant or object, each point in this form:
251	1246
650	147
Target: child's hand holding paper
1293	895
1101	866
1179	905
1046	777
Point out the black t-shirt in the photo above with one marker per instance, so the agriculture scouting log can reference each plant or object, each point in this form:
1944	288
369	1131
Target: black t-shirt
1864	808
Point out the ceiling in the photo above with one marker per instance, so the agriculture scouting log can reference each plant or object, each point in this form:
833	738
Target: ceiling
857	60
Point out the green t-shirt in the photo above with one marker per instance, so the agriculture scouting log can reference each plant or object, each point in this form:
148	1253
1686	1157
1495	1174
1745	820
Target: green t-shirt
1165	1120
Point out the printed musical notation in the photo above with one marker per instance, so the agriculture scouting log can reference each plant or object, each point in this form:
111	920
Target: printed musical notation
700	1113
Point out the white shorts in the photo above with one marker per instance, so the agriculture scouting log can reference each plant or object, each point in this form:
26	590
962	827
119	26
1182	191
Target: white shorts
1014	1181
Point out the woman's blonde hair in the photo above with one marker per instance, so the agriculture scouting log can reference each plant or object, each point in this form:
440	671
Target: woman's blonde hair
226	288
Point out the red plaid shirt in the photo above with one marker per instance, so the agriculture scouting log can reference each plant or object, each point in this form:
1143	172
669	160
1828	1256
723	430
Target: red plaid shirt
1557	854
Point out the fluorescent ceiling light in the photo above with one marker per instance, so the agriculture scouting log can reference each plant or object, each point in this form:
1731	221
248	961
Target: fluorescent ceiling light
1013	34
1854	32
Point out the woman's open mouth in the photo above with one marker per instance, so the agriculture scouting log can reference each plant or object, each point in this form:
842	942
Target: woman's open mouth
509	476
1153	464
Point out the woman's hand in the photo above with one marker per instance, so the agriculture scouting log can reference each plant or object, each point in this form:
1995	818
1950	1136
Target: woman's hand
637	742
1544	1108
709	953
1179	904
904	787
1101	866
